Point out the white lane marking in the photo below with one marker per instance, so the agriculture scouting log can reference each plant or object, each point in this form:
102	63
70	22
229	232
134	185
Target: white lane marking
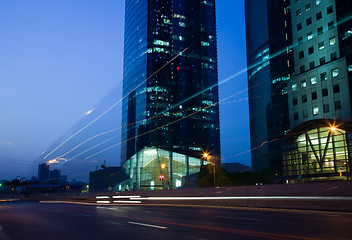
148	225
238	218
85	215
115	223
103	201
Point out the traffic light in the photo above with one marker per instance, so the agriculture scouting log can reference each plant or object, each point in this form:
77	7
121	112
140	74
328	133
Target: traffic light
0	184
161	177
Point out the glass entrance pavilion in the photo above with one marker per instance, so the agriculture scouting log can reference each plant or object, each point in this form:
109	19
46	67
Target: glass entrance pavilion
318	150
156	169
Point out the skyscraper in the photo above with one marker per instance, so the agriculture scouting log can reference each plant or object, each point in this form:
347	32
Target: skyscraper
170	114
309	75
267	77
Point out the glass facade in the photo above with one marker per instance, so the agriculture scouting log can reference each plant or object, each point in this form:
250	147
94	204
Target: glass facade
318	154
170	91
157	169
269	69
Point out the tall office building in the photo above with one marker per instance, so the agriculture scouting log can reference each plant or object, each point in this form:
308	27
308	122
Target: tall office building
169	112
267	77
310	134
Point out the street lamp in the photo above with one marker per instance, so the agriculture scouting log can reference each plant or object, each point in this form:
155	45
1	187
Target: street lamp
163	166
207	157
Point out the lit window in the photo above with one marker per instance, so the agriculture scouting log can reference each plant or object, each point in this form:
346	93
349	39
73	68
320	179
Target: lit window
307	6
315	111
179	16
203	43
332	41
284	91
313	80
303	84
349	68
207	3
335	72
161	43
310	35
347	34
294	87
182	24
298	12
321	45
323	76
317	2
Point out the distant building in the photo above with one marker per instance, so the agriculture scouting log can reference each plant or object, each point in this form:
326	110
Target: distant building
235	167
299	55
43	172
106	179
170	111
56	177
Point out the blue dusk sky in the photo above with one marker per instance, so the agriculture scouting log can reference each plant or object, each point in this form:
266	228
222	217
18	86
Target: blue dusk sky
61	58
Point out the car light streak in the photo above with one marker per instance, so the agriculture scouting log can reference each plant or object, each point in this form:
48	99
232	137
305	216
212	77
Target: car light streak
101	197
245	198
126	196
148	225
127	202
116	103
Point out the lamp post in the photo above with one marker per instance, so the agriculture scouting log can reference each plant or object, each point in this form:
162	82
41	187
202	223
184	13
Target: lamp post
207	157
163	166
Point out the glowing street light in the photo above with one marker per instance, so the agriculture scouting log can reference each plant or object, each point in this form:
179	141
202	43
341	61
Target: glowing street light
207	157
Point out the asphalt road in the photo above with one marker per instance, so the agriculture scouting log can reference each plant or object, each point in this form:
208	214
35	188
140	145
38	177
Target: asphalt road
65	221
